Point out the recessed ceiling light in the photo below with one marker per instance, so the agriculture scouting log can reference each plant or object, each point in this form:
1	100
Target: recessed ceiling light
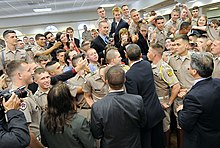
107	5
213	8
42	10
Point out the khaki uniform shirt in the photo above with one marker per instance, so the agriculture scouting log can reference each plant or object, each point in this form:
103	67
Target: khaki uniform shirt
36	49
164	78
133	28
96	87
180	67
86	36
160	36
216	71
170	24
79	81
8	56
32	112
41	99
194	21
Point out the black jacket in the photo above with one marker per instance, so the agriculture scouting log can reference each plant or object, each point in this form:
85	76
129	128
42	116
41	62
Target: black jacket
14	133
117	120
140	81
200	117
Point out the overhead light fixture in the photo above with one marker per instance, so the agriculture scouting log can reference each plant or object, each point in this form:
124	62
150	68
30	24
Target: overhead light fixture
107	5
42	10
213	8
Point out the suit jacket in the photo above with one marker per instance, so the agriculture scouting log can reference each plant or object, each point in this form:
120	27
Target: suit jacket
77	42
200	117
99	45
115	29
142	43
140	81
117	120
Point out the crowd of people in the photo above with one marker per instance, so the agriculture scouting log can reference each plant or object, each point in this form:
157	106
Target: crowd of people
118	88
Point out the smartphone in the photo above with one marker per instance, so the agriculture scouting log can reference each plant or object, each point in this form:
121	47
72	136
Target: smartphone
1	72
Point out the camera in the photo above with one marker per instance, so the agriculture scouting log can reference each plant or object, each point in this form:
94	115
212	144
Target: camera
20	92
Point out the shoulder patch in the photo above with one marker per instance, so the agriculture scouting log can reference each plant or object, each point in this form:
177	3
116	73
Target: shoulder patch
23	106
170	72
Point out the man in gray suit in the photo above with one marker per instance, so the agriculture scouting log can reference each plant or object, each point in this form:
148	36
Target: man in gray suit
118	117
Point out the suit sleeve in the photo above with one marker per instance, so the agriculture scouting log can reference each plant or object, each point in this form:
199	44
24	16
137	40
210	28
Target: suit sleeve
85	135
111	31
190	113
17	135
63	77
131	86
96	126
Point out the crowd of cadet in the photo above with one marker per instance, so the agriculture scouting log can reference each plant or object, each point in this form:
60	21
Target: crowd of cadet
118	88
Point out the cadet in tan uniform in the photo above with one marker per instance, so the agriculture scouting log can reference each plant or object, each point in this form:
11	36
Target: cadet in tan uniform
82	107
95	87
10	52
42	78
39	48
164	79
215	50
159	35
180	64
21	73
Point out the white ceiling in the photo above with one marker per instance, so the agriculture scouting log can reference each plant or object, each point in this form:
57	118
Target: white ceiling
16	8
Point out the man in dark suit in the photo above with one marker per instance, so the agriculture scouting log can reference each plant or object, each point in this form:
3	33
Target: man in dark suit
199	114
101	40
140	81
75	41
117	24
118	117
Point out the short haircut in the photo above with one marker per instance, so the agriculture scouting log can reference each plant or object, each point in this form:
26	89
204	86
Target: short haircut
195	7
158	48
133	52
75	59
59	51
13	66
25	37
6	32
203	63
116	77
99	8
184	37
19	40
175	10
69	28
39	71
49	64
37	36
41	58
110	55
184	25
100	23
31	38
116	9
46	33
159	17
94	30
123	6
215	21
133	10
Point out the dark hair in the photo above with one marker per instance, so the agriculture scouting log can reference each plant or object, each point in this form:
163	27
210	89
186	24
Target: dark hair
195	7
67	57
46	33
61	108
184	25
203	63
60	50
50	63
99	8
133	51
25	37
6	32
69	28
159	18
58	35
132	10
37	36
116	77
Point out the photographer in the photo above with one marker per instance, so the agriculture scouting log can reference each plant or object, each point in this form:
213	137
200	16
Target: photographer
14	130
